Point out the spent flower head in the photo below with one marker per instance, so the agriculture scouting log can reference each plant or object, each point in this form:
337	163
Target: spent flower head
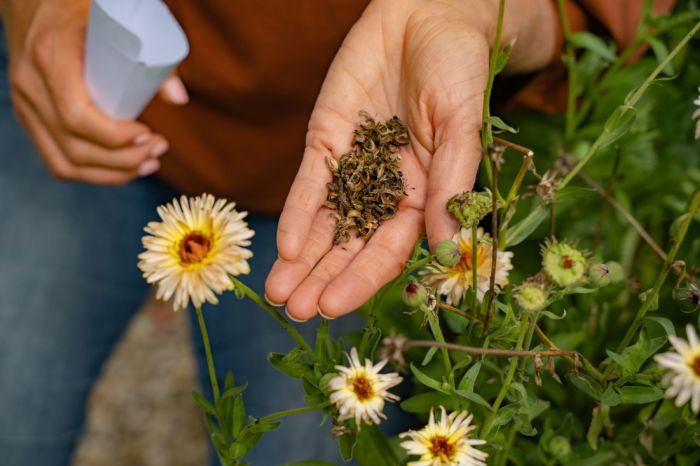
454	282
360	390
445	442
564	264
684	369
193	249
470	207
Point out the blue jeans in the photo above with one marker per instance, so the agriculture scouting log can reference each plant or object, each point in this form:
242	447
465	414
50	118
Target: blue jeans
69	286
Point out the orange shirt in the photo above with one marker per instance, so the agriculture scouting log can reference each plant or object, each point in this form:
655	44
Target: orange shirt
254	72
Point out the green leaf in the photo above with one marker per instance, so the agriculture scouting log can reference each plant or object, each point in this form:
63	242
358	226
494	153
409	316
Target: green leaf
593	43
553	316
295	364
428	381
618	124
600	418
238	416
346	445
503	57
587	385
204	403
429	356
496	122
375	449
233	392
236	452
610	396
521	230
423	402
665	323
473	397
633	394
467	382
262	427
661	52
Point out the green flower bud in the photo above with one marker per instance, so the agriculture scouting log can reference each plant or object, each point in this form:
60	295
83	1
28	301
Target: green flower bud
599	275
560	447
563	264
414	294
470	207
617	273
448	253
531	296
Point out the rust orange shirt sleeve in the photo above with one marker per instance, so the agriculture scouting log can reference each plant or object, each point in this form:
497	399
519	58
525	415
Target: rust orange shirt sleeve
618	18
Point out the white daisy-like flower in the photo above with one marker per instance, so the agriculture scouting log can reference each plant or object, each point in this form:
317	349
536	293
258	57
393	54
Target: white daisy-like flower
445	443
684	369
193	249
696	116
359	391
454	282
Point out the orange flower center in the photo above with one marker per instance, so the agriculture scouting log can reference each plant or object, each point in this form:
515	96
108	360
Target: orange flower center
696	365
465	262
362	388
194	248
442	448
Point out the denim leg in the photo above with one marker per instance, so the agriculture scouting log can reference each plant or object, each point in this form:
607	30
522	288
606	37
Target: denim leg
68	287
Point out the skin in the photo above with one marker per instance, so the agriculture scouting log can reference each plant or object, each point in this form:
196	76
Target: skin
426	61
423	60
76	141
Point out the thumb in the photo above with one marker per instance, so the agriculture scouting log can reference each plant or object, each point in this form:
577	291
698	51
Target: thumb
173	91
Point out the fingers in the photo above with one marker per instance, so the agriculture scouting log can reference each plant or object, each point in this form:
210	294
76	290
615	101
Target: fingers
286	276
329	135
174	91
303	304
379	262
453	170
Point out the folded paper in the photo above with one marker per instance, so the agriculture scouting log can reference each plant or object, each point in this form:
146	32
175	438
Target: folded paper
131	48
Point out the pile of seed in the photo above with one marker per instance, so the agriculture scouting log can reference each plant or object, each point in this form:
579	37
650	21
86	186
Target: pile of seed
367	183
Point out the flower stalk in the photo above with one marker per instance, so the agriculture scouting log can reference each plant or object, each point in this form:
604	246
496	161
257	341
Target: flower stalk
207	352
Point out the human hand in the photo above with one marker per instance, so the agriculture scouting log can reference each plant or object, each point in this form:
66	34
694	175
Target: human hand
427	62
75	140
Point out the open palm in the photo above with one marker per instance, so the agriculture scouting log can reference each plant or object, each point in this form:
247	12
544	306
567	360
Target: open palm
428	66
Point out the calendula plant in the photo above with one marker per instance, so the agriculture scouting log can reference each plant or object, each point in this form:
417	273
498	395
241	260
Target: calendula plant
558	326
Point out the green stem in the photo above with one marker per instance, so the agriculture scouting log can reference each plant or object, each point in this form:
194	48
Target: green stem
273	312
292	412
629	102
693	208
207	352
528	337
502	458
475	266
571	65
437	333
509	378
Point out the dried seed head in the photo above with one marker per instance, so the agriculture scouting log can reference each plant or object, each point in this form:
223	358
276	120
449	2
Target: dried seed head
470	207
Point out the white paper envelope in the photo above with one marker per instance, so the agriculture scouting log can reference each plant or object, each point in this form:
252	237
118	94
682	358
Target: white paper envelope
131	47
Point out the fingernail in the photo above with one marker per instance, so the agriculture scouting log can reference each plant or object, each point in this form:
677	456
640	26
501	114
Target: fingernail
320	312
271	302
148	167
175	91
294	319
160	149
142	139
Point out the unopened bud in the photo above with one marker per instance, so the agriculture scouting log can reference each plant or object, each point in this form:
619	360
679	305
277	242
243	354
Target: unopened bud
617	273
563	264
599	275
560	447
448	253
531	297
414	294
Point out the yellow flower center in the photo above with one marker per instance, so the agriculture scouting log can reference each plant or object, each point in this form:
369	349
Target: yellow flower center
194	248
695	365
362	388
442	448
